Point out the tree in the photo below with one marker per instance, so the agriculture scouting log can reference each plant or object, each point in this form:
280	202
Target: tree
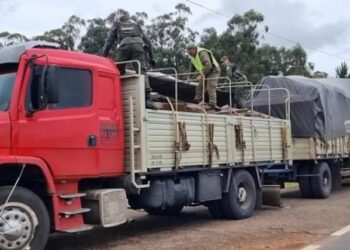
7	38
296	60
240	42
98	28
67	36
342	70
272	60
140	18
169	35
320	74
54	36
94	39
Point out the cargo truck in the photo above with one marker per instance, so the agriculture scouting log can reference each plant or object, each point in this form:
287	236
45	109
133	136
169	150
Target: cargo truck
78	147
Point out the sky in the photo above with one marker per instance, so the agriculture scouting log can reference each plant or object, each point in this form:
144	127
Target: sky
320	26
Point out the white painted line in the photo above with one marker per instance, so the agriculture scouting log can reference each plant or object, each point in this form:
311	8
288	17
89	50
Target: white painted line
311	247
342	231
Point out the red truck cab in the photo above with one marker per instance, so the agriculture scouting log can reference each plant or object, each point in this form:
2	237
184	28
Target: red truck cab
60	122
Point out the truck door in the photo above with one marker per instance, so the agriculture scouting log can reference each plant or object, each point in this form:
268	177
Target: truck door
6	88
63	134
111	125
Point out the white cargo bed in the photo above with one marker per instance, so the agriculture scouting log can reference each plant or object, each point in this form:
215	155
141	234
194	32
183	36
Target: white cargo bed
240	140
316	149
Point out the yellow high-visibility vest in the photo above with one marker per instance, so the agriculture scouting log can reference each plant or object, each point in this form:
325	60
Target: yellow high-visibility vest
197	63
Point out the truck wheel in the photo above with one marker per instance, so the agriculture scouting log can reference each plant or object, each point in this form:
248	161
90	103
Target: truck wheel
239	202
25	221
305	181
322	183
215	209
169	211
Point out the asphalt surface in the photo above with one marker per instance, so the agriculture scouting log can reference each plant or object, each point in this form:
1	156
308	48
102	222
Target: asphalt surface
339	240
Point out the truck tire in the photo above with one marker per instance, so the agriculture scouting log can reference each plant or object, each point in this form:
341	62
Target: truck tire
215	209
239	202
169	211
305	181
322	183
25	211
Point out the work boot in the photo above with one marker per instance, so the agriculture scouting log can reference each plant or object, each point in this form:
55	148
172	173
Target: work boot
214	106
149	102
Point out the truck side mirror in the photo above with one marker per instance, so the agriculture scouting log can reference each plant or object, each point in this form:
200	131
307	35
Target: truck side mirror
52	84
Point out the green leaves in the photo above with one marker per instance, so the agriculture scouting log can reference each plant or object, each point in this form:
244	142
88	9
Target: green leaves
342	70
67	36
8	39
170	33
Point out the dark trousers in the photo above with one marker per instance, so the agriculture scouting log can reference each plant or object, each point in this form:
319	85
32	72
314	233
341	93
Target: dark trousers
128	52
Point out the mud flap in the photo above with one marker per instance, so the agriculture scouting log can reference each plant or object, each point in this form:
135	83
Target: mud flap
259	201
271	195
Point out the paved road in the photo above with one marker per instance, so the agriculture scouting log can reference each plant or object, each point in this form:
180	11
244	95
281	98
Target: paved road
299	223
339	240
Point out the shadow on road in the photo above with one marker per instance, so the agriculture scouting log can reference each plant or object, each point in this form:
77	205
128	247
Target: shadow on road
147	226
143	225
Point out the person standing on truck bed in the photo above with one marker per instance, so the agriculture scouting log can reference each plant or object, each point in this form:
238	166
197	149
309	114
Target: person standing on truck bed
231	70
204	62
133	45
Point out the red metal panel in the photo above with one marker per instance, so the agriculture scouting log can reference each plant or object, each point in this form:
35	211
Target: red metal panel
5	133
60	136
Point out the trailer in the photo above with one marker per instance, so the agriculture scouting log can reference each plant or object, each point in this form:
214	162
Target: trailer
320	132
78	147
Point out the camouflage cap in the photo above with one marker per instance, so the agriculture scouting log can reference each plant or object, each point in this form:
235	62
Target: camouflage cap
191	46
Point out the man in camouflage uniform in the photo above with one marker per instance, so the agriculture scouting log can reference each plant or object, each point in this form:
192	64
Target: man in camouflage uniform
204	62
230	70
132	46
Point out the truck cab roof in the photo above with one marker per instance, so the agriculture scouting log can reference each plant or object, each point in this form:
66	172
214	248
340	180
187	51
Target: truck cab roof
12	55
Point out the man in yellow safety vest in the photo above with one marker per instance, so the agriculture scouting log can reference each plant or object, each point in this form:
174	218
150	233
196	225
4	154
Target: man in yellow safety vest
204	63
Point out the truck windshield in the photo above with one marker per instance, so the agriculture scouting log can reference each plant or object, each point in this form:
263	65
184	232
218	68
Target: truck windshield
6	87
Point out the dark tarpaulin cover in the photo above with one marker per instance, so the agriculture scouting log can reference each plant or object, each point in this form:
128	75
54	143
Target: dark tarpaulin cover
319	107
165	85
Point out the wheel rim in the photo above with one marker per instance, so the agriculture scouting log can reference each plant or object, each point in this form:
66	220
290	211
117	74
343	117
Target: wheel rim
325	179
243	195
17	226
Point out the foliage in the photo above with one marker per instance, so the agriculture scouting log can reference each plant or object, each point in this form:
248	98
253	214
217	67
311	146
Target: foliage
92	42
169	33
8	39
342	70
320	74
241	42
97	31
296	60
67	36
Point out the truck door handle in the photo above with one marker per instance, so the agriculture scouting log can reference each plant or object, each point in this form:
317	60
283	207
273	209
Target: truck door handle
92	141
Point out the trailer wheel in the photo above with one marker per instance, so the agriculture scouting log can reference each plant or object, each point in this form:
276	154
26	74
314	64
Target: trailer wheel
322	183
25	221
239	202
305	181
215	209
168	211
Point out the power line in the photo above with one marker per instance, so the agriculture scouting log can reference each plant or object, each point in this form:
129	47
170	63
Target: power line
202	6
275	35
